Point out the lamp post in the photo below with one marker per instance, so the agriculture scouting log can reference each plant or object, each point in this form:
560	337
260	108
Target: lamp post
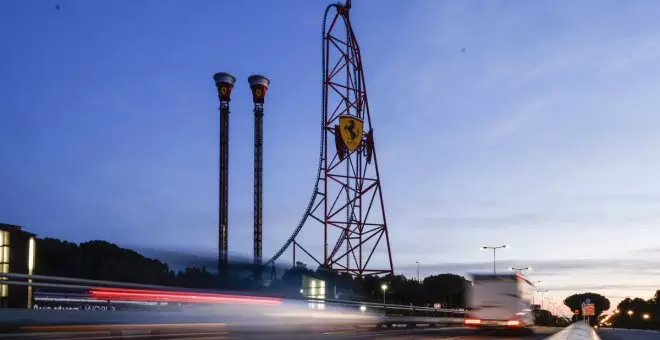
494	251
417	271
630	314
225	83
534	291
384	288
259	86
520	270
542	291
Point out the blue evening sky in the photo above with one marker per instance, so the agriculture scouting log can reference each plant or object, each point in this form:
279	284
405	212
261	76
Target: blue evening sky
543	134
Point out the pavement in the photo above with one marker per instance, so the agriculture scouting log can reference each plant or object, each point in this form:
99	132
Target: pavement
451	333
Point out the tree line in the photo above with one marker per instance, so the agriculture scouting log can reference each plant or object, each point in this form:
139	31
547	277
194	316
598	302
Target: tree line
639	307
631	313
101	260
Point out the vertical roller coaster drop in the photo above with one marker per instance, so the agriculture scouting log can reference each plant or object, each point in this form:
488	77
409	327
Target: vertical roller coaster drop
347	201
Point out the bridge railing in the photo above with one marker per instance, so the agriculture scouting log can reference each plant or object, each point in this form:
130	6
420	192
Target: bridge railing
576	331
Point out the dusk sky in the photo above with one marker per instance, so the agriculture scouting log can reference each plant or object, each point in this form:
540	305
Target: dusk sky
544	134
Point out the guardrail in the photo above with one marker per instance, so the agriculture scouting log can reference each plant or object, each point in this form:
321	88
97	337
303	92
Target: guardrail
576	331
387	314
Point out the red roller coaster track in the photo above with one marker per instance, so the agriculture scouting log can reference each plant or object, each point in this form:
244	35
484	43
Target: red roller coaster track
348	199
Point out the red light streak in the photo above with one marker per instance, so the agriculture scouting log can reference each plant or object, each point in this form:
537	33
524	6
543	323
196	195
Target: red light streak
174	296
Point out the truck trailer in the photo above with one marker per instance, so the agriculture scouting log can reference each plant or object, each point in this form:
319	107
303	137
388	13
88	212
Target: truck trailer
500	302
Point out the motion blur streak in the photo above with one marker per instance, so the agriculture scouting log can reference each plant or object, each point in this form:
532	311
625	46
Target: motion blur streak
93	328
322	315
173	296
170	336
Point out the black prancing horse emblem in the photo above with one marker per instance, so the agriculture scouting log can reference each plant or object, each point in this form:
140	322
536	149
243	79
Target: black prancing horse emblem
350	128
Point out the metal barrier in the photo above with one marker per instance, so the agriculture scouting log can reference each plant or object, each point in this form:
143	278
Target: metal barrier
576	331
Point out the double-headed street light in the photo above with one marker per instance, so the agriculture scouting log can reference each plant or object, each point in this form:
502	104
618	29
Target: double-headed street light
520	270
494	250
534	292
542	291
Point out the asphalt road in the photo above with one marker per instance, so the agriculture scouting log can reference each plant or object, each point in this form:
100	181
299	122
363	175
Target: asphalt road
624	334
454	333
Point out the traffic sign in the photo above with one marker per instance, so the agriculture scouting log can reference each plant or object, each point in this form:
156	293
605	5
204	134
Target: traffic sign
589	310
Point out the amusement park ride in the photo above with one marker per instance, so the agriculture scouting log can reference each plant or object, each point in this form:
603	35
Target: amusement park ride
347	201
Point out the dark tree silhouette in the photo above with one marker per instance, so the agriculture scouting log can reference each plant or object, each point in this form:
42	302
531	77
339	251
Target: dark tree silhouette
448	289
601	303
101	260
639	308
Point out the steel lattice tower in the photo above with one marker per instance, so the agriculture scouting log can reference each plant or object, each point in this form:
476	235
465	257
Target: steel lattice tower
347	201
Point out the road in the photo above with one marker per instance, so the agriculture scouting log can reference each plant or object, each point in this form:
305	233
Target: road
624	334
453	333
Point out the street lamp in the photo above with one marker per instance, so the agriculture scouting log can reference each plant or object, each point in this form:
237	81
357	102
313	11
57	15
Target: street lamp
494	250
417	271
534	292
542	291
630	314
384	288
519	270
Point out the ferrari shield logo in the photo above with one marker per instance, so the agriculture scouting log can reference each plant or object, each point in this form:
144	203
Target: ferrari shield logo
351	129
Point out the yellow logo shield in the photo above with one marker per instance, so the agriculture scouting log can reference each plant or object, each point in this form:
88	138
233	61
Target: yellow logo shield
351	129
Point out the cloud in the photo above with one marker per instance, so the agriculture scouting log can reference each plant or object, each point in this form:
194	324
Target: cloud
600	287
615	267
523	119
650	250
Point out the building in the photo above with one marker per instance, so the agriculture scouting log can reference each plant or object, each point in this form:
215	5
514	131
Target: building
314	288
17	255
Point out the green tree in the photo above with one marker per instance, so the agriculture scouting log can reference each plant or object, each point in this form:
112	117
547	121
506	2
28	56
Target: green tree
448	289
601	303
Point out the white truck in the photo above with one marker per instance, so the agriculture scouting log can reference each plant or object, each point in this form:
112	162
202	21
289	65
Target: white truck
500	302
